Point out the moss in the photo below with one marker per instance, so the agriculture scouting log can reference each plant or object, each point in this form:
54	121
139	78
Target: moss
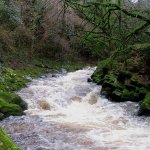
9	109
11	104
111	87
101	71
119	85
97	78
13	98
111	80
116	95
145	105
11	81
129	95
5	142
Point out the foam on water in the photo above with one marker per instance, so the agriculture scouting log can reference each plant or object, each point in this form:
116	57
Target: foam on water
67	112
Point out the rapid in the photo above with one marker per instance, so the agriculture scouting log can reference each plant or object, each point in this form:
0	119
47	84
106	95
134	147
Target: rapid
65	112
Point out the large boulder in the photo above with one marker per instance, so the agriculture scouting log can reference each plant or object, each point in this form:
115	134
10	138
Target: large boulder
120	85
11	104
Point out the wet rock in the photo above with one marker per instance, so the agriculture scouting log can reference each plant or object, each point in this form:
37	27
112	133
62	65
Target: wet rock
11	104
145	106
92	100
89	80
116	95
54	75
129	95
44	105
43	76
1	116
76	98
28	78
97	78
111	86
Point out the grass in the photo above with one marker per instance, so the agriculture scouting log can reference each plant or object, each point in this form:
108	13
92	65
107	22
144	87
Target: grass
6	142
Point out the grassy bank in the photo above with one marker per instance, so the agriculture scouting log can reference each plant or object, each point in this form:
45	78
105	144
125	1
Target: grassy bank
6	143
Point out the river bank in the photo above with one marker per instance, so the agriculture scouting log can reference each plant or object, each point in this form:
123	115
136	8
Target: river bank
124	83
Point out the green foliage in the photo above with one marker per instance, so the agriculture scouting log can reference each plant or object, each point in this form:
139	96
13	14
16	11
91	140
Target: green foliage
143	47
10	104
8	109
9	15
10	81
5	142
145	106
112	27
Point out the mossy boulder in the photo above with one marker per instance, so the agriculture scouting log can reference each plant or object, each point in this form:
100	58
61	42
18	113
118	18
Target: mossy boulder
110	84
119	85
11	104
120	92
5	142
99	75
130	95
145	106
97	78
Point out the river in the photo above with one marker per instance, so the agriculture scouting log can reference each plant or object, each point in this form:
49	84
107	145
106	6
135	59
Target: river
65	112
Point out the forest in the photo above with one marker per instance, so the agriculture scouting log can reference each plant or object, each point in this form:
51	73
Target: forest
42	36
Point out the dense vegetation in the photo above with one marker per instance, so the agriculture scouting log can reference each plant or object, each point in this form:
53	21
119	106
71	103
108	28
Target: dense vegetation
38	36
118	35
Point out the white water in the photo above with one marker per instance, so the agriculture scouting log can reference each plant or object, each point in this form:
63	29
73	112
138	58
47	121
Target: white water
67	113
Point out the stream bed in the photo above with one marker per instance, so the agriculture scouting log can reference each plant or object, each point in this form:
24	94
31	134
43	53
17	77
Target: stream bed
65	112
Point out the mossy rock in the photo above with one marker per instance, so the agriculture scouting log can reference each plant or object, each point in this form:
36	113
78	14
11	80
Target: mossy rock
110	80
8	109
11	104
116	95
130	95
145	106
13	98
136	82
97	78
142	91
111	87
5	142
120	90
99	75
